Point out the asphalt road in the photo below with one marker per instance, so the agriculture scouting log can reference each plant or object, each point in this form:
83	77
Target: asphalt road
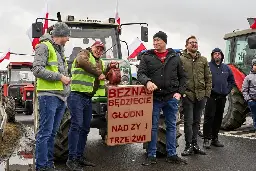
239	154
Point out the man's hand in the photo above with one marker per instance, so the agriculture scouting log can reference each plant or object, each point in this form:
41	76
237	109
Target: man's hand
151	86
65	80
102	77
177	96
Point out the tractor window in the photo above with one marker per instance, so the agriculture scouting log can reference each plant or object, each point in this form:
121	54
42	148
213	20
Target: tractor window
243	54
228	51
23	75
83	38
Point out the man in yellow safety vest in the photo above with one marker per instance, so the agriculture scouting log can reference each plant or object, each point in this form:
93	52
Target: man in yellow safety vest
88	80
50	69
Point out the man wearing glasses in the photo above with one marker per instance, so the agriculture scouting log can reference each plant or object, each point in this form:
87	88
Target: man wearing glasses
199	84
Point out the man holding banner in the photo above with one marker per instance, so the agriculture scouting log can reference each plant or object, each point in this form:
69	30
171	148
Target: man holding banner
161	71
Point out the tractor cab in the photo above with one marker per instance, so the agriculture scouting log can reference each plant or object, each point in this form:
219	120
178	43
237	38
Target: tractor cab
237	50
239	53
20	73
85	31
17	92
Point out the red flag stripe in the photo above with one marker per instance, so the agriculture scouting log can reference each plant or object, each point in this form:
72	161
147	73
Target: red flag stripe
253	26
46	22
6	56
140	48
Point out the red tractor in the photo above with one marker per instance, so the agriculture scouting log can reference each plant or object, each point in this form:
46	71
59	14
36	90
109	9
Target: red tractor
17	91
238	56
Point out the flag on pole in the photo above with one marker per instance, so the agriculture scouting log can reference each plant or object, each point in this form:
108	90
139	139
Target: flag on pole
118	20
6	56
252	22
44	14
135	48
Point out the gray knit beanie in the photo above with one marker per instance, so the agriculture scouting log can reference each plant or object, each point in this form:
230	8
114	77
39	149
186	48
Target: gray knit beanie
60	29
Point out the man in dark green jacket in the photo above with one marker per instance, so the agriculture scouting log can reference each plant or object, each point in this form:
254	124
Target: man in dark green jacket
199	84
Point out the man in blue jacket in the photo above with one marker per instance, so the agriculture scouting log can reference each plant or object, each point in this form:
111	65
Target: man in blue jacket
222	84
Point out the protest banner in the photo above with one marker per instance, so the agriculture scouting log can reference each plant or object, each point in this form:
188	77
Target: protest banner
129	114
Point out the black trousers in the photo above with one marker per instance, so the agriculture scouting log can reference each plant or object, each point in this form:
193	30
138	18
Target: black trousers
214	110
192	116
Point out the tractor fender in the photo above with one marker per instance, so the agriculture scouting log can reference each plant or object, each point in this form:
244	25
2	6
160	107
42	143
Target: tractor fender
238	76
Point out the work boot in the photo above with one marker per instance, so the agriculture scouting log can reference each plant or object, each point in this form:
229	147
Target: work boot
73	165
207	144
82	161
188	151
176	160
197	150
216	143
149	161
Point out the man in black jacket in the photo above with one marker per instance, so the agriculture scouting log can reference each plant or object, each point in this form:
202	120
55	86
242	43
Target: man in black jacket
222	84
161	71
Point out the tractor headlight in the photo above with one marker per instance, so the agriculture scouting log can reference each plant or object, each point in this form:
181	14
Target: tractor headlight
125	80
28	93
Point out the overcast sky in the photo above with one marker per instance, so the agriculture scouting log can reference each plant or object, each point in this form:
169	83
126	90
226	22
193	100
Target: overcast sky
207	20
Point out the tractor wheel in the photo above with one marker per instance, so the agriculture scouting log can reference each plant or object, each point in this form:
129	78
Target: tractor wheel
235	111
10	109
61	139
161	141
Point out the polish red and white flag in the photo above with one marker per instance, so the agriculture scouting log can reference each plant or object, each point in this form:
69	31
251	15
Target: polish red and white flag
135	48
5	55
118	20
44	14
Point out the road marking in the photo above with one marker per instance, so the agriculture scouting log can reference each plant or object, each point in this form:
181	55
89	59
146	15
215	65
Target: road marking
247	133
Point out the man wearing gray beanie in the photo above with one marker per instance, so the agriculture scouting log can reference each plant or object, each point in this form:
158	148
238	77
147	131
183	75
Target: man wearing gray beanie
51	71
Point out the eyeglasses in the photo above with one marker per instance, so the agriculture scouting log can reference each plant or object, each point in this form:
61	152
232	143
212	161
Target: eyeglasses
192	43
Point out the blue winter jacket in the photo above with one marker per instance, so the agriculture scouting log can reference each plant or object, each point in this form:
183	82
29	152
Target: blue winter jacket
222	78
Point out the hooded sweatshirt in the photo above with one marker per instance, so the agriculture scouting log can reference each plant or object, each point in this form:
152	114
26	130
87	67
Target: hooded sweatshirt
249	85
40	61
222	76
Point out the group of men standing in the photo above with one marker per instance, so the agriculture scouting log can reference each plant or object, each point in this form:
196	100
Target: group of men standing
191	78
169	76
56	91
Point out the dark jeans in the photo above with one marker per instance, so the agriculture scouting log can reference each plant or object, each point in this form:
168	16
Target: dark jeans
170	109
192	116
252	106
51	110
80	107
214	110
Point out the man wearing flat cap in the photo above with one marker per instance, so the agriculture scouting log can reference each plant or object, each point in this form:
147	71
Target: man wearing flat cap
88	79
50	69
162	73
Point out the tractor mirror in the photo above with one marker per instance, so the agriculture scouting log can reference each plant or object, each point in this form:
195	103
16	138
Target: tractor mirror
252	41
144	34
37	29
